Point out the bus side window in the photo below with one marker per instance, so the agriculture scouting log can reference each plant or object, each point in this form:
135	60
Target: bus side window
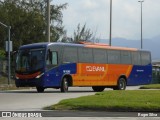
136	58
145	58
52	58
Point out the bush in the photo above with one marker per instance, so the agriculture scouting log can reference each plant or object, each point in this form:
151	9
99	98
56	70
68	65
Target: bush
2	54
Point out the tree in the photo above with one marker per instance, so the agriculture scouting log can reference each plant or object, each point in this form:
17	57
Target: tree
82	34
28	21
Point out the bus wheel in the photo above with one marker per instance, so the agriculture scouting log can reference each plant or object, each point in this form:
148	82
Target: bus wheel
98	88
40	89
121	84
64	85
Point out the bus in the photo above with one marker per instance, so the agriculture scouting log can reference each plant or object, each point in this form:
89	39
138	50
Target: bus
64	65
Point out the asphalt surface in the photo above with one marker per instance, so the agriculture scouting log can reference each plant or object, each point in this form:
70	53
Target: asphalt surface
31	101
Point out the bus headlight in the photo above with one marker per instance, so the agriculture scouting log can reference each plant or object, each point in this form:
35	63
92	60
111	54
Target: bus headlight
40	75
17	77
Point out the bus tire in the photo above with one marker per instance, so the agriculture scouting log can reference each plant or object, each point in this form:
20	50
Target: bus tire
98	88
40	89
64	85
121	84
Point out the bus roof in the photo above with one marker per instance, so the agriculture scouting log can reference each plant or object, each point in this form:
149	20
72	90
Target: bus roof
87	45
111	47
106	46
34	45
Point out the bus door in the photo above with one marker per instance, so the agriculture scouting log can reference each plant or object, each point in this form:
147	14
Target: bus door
52	70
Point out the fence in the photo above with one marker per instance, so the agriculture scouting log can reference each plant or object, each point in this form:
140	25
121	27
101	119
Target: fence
3	65
156	74
4	74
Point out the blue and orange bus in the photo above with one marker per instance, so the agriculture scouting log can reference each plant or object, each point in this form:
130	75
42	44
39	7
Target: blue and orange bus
62	65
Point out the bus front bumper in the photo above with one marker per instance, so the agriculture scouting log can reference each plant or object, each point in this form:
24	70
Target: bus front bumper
28	82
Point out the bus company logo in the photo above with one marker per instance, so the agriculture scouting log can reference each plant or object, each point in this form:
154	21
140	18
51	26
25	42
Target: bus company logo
95	69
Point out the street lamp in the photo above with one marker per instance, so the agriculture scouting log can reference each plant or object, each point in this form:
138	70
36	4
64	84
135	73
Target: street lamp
110	34
9	68
48	20
141	24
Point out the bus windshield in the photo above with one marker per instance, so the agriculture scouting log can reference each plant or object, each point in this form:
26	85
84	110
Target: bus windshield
30	60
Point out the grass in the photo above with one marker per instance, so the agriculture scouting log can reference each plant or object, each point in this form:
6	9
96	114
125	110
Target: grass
138	100
8	87
151	86
4	80
4	84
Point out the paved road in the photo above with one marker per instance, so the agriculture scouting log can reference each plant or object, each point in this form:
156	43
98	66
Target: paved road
30	100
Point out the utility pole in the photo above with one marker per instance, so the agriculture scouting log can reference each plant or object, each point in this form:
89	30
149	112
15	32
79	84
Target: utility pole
9	58
110	34
48	20
141	26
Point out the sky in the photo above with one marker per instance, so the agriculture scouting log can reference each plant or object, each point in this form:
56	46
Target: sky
126	17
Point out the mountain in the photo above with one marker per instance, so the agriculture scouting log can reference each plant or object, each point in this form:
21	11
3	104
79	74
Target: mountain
152	45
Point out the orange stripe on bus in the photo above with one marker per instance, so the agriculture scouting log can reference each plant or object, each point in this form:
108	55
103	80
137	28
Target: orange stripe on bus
129	70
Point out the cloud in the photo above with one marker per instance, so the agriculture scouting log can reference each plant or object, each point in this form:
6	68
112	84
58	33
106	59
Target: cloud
89	4
126	17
